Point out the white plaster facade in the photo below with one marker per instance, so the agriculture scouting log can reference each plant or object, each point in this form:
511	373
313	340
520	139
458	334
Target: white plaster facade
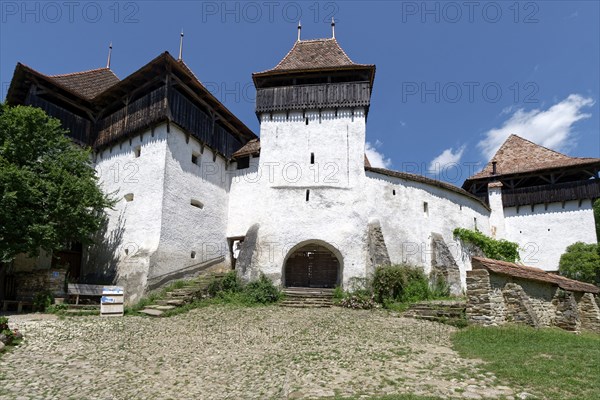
544	233
342	198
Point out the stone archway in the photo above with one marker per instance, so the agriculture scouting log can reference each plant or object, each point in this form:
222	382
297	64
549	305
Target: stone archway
312	265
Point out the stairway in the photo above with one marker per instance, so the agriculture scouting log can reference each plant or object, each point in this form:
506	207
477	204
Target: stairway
437	310
194	289
299	297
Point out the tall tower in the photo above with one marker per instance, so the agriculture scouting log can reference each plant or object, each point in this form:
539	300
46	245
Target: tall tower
312	109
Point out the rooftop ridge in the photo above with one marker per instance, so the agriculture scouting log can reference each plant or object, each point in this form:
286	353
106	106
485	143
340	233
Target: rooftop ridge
80	72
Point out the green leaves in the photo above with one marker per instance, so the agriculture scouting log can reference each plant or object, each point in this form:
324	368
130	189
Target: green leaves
492	248
48	187
581	262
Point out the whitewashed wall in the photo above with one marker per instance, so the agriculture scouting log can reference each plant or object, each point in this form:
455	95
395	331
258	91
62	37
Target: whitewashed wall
341	204
134	227
191	236
544	234
407	227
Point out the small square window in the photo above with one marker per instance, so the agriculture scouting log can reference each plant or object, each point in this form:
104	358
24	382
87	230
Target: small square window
243	162
195	158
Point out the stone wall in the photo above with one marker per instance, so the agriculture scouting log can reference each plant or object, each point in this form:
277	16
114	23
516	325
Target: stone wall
494	299
28	284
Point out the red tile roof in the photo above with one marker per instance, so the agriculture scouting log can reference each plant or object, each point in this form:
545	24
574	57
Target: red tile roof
317	54
531	273
250	148
518	155
87	84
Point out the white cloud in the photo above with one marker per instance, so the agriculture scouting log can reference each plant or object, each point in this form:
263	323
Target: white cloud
376	158
550	128
447	158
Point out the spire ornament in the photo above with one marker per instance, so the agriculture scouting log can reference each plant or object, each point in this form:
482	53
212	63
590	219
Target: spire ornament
109	54
299	29
180	58
332	28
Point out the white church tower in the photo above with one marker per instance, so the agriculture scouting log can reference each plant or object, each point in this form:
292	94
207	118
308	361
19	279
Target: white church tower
306	186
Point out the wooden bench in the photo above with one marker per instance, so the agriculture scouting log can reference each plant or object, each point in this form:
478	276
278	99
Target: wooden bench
81	289
19	303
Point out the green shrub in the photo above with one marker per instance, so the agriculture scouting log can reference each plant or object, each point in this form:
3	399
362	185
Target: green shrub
359	301
262	291
230	283
42	300
581	262
400	283
3	324
491	248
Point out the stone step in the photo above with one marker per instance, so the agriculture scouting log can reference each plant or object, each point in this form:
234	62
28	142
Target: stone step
161	307
305	305
173	302
152	312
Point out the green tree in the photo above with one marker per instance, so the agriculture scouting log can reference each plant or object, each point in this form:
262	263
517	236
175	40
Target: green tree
582	262
49	191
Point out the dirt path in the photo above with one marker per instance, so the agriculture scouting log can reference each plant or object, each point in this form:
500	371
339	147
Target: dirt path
239	353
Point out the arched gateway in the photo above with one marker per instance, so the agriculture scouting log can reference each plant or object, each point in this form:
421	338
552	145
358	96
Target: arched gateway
312	265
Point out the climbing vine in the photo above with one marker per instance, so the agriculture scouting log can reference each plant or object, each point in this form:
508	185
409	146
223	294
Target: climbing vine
492	248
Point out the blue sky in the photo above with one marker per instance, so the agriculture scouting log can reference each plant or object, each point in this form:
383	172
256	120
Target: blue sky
453	78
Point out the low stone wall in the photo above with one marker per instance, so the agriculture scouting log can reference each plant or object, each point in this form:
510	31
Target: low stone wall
495	299
28	284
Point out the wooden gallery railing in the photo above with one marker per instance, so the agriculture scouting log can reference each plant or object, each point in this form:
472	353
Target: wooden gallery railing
80	129
589	189
153	108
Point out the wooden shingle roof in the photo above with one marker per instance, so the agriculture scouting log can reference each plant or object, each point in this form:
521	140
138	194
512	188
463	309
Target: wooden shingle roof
314	54
531	273
308	56
87	84
518	155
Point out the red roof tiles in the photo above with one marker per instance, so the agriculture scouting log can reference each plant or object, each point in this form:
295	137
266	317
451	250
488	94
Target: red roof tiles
536	274
87	84
518	155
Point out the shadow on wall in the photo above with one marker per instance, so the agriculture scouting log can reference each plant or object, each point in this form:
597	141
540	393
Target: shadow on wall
101	258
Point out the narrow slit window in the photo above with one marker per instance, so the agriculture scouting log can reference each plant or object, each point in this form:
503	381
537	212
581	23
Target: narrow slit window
138	151
394	192
128	197
306	121
312	158
426	208
307	194
475	222
193	254
197	203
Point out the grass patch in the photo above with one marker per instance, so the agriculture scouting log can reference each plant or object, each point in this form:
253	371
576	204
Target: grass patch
554	363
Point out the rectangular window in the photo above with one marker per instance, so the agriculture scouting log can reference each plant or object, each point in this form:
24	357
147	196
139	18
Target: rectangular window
243	162
426	208
195	158
138	151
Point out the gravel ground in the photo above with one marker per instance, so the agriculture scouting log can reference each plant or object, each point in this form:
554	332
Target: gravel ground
238	353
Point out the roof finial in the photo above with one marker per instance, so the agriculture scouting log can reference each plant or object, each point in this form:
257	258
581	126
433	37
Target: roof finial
181	46
299	29
109	54
332	28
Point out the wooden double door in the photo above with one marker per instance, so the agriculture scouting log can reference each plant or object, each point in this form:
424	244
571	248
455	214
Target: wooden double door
312	266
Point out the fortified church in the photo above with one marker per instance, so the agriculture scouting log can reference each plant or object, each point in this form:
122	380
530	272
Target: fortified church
199	190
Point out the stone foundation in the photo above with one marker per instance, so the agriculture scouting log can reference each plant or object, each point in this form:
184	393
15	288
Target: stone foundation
494	299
